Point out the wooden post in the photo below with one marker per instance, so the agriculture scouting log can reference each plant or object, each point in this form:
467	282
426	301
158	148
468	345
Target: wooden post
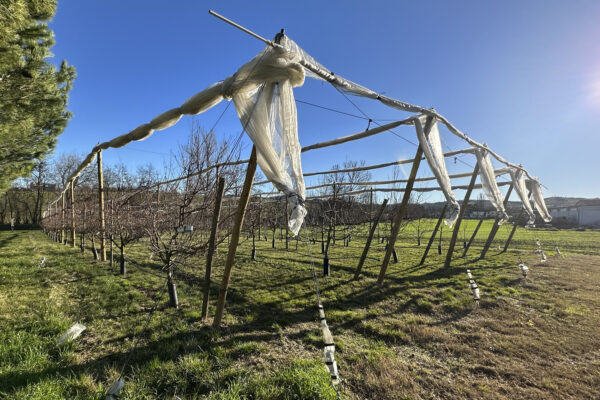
404	204
432	238
461	214
515	224
259	216
495	227
212	243
235	237
63	236
287	227
371	210
472	237
72	214
333	218
373	224
101	207
512	232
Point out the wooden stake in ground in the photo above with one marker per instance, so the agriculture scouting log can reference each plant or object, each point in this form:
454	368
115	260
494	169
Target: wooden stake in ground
333	218
235	237
495	227
212	242
404	203
515	224
433	234
373	224
461	214
63	236
72	214
101	207
472	237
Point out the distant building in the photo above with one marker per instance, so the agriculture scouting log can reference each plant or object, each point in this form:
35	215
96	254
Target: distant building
583	213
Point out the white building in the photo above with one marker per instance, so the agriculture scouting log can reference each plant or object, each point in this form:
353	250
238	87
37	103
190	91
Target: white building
584	213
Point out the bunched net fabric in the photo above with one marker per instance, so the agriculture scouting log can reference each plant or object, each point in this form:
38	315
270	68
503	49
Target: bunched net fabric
489	184
432	148
538	199
518	180
267	110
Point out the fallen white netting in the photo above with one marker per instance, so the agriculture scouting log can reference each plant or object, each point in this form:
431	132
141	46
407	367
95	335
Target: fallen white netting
489	184
267	110
538	199
518	180
434	154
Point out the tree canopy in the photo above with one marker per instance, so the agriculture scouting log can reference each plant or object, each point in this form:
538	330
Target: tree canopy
33	92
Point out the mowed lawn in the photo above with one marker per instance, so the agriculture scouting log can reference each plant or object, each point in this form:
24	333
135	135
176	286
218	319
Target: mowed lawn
419	336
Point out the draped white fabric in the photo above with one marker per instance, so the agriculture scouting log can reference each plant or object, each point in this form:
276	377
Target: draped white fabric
518	180
489	184
538	199
267	111
434	154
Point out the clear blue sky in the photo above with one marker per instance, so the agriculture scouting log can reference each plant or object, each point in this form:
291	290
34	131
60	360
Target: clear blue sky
522	76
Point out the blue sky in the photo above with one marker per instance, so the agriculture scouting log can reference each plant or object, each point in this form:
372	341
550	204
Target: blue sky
522	76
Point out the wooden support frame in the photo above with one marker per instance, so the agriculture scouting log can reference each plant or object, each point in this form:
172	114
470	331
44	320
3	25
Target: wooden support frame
212	244
461	214
472	237
235	237
433	234
374	224
101	207
404	203
495	226
515	225
72	214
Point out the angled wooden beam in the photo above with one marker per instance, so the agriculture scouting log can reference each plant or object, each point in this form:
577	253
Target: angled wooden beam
235	237
461	214
432	238
514	228
374	223
495	226
404	203
472	237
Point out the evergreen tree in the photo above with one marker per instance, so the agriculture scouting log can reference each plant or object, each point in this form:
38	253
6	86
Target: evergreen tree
33	92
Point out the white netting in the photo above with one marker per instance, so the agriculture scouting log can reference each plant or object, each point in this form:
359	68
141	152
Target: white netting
538	199
264	100
489	184
434	154
518	180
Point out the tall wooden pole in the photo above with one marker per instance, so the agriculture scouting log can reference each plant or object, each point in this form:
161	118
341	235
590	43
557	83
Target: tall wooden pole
101	207
371	209
373	223
235	237
404	204
495	226
287	227
472	237
212	243
432	238
63	236
72	214
461	214
333	218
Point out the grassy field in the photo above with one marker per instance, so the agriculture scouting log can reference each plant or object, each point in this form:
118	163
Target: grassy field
419	336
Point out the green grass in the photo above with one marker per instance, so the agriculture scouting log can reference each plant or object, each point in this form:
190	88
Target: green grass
417	336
